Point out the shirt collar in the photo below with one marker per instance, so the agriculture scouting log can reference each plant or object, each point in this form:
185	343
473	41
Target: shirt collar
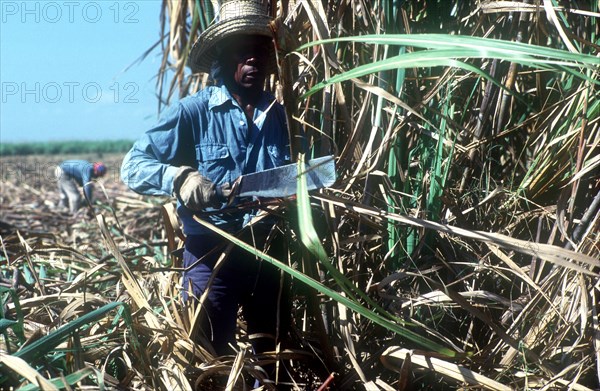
220	95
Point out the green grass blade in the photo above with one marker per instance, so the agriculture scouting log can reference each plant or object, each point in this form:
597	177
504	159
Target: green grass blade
486	46
410	335
409	60
446	58
71	380
6	323
18	326
47	343
443	50
310	239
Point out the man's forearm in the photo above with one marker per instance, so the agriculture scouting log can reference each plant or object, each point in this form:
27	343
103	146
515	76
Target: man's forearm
145	175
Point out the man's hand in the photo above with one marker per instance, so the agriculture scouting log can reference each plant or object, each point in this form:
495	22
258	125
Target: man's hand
194	191
224	191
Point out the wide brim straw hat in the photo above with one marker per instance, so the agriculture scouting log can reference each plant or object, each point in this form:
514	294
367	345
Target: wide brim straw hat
236	17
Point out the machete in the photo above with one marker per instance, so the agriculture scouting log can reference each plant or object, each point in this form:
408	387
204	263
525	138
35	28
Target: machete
282	181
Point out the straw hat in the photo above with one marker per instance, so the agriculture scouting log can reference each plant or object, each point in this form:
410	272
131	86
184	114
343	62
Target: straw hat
248	17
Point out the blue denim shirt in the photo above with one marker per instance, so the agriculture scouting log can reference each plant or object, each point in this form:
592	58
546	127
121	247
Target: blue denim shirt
82	172
208	131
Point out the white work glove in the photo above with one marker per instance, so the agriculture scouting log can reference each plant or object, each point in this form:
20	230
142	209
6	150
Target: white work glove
197	192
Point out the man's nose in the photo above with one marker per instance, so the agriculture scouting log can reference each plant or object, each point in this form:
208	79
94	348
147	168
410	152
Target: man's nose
253	59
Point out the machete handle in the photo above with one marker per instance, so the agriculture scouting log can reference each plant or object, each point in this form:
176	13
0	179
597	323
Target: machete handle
235	189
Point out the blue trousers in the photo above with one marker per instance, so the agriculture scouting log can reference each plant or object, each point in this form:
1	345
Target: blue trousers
243	280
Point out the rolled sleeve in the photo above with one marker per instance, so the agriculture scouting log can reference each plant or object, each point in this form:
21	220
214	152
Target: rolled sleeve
142	174
150	166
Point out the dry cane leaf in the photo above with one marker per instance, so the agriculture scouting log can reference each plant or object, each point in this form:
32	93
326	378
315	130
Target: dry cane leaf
459	373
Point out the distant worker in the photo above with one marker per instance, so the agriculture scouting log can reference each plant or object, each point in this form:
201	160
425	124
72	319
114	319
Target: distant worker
72	173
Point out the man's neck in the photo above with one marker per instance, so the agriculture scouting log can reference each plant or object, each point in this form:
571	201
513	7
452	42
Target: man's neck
245	97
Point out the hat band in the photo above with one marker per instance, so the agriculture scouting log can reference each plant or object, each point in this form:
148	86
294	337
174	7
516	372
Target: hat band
233	9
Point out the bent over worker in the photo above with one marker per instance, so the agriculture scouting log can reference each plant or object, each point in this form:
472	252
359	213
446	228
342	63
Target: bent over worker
200	147
72	174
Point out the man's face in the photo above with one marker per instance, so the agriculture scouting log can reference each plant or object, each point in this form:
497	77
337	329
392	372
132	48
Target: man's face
247	58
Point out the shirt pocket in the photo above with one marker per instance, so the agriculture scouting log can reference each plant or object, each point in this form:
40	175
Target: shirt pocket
279	155
214	161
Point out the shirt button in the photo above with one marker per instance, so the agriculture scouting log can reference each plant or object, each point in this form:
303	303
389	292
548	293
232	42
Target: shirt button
242	123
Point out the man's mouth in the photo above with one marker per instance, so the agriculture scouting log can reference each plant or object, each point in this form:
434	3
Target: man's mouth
252	75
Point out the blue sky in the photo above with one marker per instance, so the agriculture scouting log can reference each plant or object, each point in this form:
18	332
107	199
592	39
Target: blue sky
63	69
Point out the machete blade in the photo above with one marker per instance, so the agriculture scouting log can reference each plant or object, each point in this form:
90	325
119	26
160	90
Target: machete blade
283	181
